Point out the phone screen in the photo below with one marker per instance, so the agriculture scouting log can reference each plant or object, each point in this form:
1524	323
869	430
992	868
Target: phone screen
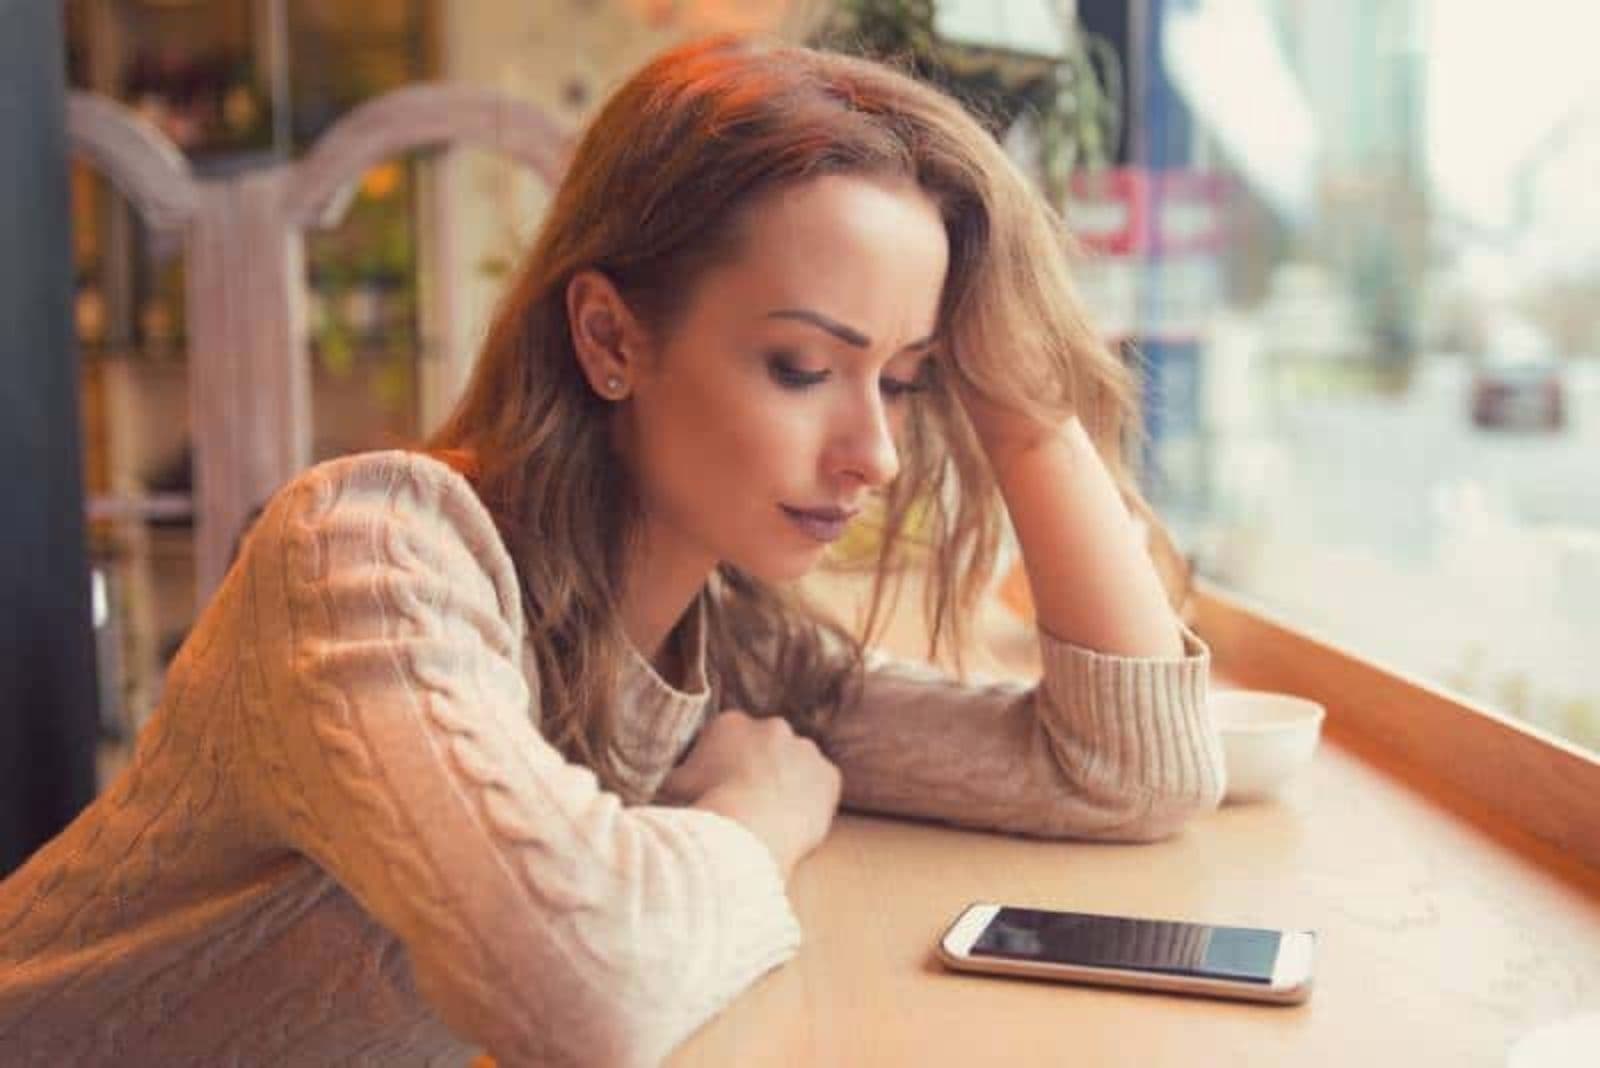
1241	954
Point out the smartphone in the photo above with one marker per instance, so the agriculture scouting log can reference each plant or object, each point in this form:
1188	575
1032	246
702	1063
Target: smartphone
1249	963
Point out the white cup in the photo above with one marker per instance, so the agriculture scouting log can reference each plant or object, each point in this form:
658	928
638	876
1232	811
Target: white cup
1266	739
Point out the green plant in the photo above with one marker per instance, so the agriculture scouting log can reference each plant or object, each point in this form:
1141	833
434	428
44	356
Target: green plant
902	32
1082	121
1074	101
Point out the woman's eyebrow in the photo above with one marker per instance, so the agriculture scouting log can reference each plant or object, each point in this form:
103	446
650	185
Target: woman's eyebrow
848	335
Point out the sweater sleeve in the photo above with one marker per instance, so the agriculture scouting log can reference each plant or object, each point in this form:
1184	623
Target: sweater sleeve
544	920
1101	747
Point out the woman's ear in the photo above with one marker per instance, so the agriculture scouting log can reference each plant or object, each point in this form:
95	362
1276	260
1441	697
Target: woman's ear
605	335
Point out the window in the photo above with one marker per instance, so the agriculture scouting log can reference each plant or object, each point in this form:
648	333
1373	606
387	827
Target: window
1368	302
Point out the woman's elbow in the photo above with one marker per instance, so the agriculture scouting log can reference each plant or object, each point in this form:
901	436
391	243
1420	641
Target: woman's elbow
597	1031
1159	811
1163	802
563	1019
1137	810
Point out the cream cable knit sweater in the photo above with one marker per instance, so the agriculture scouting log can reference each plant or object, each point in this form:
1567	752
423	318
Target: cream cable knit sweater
343	839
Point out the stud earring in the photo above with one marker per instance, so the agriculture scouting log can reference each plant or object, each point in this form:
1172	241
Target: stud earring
613	384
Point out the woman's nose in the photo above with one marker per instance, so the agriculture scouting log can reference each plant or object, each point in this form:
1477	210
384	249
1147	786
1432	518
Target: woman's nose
866	447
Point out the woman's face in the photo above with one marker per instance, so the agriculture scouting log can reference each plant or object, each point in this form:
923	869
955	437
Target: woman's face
781	392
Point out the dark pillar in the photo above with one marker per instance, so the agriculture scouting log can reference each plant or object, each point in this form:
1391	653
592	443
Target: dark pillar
48	714
1159	140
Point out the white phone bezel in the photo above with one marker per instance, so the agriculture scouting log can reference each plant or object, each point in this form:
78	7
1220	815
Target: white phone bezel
1291	973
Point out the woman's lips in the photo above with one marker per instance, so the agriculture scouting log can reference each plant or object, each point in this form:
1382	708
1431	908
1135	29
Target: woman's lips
824	525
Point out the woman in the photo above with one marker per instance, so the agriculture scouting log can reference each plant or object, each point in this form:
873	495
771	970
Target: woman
513	743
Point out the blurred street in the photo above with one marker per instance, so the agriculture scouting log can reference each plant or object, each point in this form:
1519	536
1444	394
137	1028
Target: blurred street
1395	526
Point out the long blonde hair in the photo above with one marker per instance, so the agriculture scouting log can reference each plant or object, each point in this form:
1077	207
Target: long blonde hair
650	199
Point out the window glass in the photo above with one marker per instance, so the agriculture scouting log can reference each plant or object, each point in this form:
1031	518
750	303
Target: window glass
1370	313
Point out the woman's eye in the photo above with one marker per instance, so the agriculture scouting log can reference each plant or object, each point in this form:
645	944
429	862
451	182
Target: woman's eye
895	389
791	377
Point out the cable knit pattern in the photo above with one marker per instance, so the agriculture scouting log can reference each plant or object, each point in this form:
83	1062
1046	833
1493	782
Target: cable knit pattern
343	839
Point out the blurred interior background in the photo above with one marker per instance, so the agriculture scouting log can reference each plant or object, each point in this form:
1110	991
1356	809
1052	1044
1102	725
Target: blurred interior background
1353	245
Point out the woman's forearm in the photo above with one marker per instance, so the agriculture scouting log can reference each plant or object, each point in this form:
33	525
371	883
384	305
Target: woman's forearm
1092	580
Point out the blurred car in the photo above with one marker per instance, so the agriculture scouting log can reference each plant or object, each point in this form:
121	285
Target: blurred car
1520	386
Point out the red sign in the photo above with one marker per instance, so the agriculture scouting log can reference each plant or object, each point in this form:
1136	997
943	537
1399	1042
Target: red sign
1129	211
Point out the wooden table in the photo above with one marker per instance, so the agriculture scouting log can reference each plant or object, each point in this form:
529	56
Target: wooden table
1438	944
1435	946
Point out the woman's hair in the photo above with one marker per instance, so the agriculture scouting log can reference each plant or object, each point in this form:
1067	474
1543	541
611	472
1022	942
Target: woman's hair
652	198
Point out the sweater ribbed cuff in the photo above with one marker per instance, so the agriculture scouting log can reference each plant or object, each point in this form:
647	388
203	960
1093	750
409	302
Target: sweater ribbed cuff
1150	712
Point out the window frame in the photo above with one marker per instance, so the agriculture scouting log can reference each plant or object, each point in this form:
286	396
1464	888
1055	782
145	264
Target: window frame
1512	779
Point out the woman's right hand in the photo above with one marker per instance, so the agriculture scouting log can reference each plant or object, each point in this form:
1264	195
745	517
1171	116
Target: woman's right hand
757	771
